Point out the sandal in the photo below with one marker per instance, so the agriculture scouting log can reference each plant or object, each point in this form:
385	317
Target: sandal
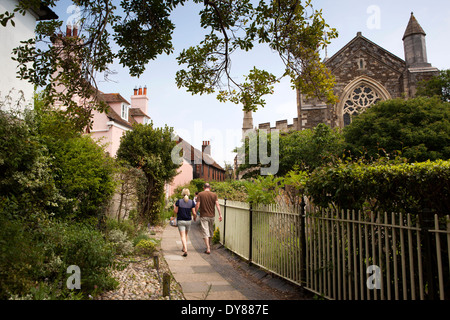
206	251
185	254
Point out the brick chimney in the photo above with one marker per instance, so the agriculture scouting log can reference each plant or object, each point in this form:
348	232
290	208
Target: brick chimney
206	148
140	100
72	31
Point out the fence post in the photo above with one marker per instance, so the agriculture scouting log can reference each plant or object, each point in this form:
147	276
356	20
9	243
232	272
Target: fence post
428	256
156	261
250	249
166	285
224	219
302	226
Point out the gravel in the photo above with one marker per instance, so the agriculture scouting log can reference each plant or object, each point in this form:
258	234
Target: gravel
140	280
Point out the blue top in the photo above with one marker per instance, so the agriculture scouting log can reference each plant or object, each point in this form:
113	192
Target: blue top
184	209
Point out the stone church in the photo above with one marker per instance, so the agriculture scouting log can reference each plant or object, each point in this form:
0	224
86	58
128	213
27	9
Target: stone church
365	73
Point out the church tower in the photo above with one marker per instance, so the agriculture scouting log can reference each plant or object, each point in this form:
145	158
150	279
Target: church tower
417	66
247	122
415	45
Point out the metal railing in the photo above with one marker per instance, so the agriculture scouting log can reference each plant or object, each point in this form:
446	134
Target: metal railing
343	255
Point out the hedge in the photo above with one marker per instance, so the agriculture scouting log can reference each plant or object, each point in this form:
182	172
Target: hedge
392	187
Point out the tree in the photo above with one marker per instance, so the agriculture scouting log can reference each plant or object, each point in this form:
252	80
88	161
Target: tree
309	149
304	150
418	128
143	31
151	150
437	86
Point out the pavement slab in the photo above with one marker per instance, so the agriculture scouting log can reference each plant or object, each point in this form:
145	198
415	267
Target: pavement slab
198	279
220	275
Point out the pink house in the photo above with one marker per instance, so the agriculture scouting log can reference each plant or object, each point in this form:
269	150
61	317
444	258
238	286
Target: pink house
184	176
196	164
109	127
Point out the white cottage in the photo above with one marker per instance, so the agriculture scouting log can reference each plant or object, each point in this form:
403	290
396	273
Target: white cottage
13	89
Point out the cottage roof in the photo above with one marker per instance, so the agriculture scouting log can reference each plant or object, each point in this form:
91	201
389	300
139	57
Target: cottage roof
114	97
114	116
43	12
137	112
193	155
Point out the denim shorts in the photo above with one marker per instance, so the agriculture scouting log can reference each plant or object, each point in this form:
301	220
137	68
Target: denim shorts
183	225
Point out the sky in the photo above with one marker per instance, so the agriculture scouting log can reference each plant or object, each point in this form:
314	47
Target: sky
203	118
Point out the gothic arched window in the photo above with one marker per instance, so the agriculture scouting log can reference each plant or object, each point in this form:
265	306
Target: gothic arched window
357	101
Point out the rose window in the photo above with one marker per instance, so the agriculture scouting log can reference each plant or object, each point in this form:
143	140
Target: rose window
358	101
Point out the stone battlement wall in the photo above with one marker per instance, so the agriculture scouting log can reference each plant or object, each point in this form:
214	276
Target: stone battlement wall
281	125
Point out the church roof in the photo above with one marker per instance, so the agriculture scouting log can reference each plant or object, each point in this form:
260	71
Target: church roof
359	37
413	27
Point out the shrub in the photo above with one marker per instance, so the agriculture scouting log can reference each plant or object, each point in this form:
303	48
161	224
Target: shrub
264	190
140	236
419	128
34	260
19	257
198	184
85	175
146	247
120	242
216	236
126	226
27	186
44	291
389	186
81	245
232	190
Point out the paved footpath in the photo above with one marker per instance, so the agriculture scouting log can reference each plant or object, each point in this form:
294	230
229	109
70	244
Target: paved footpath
219	275
198	279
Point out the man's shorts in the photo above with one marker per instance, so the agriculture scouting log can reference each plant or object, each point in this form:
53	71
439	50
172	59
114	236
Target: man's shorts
184	225
207	224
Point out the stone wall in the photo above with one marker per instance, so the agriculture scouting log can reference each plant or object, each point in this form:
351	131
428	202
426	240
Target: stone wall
281	125
360	63
361	57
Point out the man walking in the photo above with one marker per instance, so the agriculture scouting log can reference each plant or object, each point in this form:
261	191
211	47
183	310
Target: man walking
206	203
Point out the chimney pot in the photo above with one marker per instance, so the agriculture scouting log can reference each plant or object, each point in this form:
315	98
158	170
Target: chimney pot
145	90
206	148
135	91
140	91
68	30
75	31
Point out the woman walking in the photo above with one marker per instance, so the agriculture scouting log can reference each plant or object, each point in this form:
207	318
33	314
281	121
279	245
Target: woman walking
185	210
